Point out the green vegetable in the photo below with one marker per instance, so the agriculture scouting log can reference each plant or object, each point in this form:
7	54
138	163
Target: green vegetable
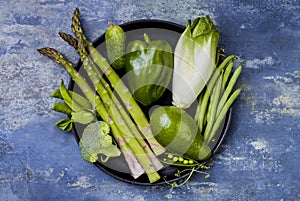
229	88
131	105
56	94
133	139
69	38
149	67
83	117
62	107
64	124
105	91
80	100
115	45
104	112
120	88
187	145
209	136
194	62
212	107
203	103
132	161
217	98
68	99
96	140
177	131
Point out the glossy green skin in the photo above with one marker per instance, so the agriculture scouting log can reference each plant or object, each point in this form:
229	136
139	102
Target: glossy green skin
115	46
149	69
178	132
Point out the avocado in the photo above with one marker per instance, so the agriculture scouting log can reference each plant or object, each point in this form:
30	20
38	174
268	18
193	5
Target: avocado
177	131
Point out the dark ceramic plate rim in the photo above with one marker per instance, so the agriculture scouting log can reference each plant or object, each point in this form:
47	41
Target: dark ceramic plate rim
139	24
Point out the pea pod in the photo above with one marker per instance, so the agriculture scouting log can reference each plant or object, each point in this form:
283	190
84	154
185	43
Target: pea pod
62	107
67	98
83	117
115	45
56	94
80	100
148	65
65	124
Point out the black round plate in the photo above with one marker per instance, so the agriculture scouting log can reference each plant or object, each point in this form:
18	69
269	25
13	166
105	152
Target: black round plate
117	167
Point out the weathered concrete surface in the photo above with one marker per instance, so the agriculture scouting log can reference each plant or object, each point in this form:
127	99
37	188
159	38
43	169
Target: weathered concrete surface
259	159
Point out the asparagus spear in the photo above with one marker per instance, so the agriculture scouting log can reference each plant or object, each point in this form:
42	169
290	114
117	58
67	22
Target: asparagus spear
70	39
116	117
131	105
134	165
157	164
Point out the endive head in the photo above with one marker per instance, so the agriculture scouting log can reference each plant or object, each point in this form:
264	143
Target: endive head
194	62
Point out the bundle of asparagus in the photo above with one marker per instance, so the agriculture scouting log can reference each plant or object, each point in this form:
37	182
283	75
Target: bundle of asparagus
129	126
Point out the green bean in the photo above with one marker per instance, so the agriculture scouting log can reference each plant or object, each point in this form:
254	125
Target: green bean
203	104
217	72
226	73
62	107
229	88
214	99
222	115
200	99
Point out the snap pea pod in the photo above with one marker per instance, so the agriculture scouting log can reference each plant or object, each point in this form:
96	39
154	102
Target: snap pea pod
56	94
229	88
65	124
67	98
62	107
80	100
83	117
178	160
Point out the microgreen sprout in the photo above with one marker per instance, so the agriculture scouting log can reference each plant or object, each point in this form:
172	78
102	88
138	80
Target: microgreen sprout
178	174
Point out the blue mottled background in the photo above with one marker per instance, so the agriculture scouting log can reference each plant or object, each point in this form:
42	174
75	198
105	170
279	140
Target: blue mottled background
259	159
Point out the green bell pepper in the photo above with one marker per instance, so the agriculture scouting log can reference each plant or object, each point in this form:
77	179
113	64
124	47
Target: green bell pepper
149	67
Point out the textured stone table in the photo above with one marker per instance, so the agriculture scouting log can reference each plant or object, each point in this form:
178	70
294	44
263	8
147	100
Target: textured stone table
259	160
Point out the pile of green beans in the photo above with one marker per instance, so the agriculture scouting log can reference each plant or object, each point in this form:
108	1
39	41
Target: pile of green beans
217	98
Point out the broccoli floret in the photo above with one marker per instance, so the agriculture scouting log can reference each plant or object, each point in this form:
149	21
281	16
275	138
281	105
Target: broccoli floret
96	140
